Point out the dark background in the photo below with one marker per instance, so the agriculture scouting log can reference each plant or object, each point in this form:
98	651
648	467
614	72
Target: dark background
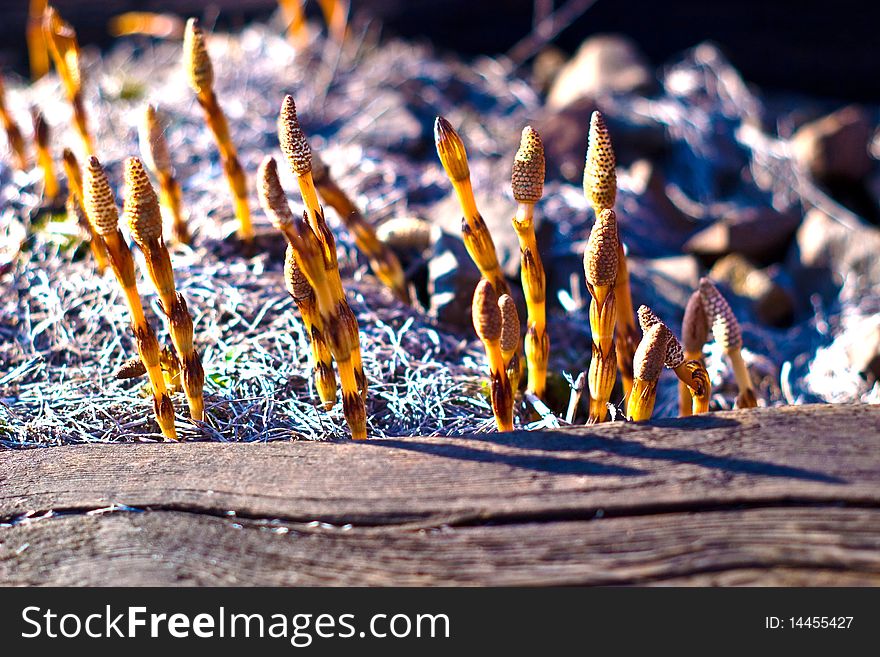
810	46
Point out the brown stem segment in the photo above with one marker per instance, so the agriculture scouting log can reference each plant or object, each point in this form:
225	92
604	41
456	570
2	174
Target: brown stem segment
145	221
44	155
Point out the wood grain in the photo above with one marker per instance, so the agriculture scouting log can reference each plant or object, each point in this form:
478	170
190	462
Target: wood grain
771	496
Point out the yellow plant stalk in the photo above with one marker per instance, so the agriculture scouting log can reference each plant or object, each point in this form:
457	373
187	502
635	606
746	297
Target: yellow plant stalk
527	181
295	17
648	364
477	239
488	324
160	26
61	40
600	189
155	153
600	268
13	134
141	210
36	40
691	373
201	79
44	155
101	211
510	335
298	154
336	16
694	333
276	207
75	191
382	260
727	333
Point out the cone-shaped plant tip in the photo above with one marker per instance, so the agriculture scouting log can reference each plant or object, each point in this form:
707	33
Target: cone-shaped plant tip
691	373
157	157
649	359
383	262
510	335
727	333
600	174
489	325
44	154
145	221
527	182
276	207
293	140
198	66
75	191
101	210
13	133
694	333
477	238
600	269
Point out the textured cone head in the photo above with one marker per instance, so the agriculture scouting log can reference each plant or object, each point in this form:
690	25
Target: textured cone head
725	326
600	176
196	58
293	141
695	326
272	196
295	281
651	353
154	148
509	323
600	256
450	149
674	351
486	313
99	203
527	179
141	207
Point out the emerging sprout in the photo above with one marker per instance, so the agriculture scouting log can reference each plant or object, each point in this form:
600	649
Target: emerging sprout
649	359
477	239
201	77
38	53
527	182
154	150
510	335
64	48
75	195
727	333
145	221
104	217
600	269
691	373
489	325
274	203
600	189
694	333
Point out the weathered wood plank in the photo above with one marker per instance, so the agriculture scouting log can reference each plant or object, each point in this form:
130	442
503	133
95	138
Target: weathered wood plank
809	454
793	545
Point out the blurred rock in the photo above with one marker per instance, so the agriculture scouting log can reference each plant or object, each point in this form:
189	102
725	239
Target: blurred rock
772	304
604	63
828	255
755	232
546	67
835	147
863	349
